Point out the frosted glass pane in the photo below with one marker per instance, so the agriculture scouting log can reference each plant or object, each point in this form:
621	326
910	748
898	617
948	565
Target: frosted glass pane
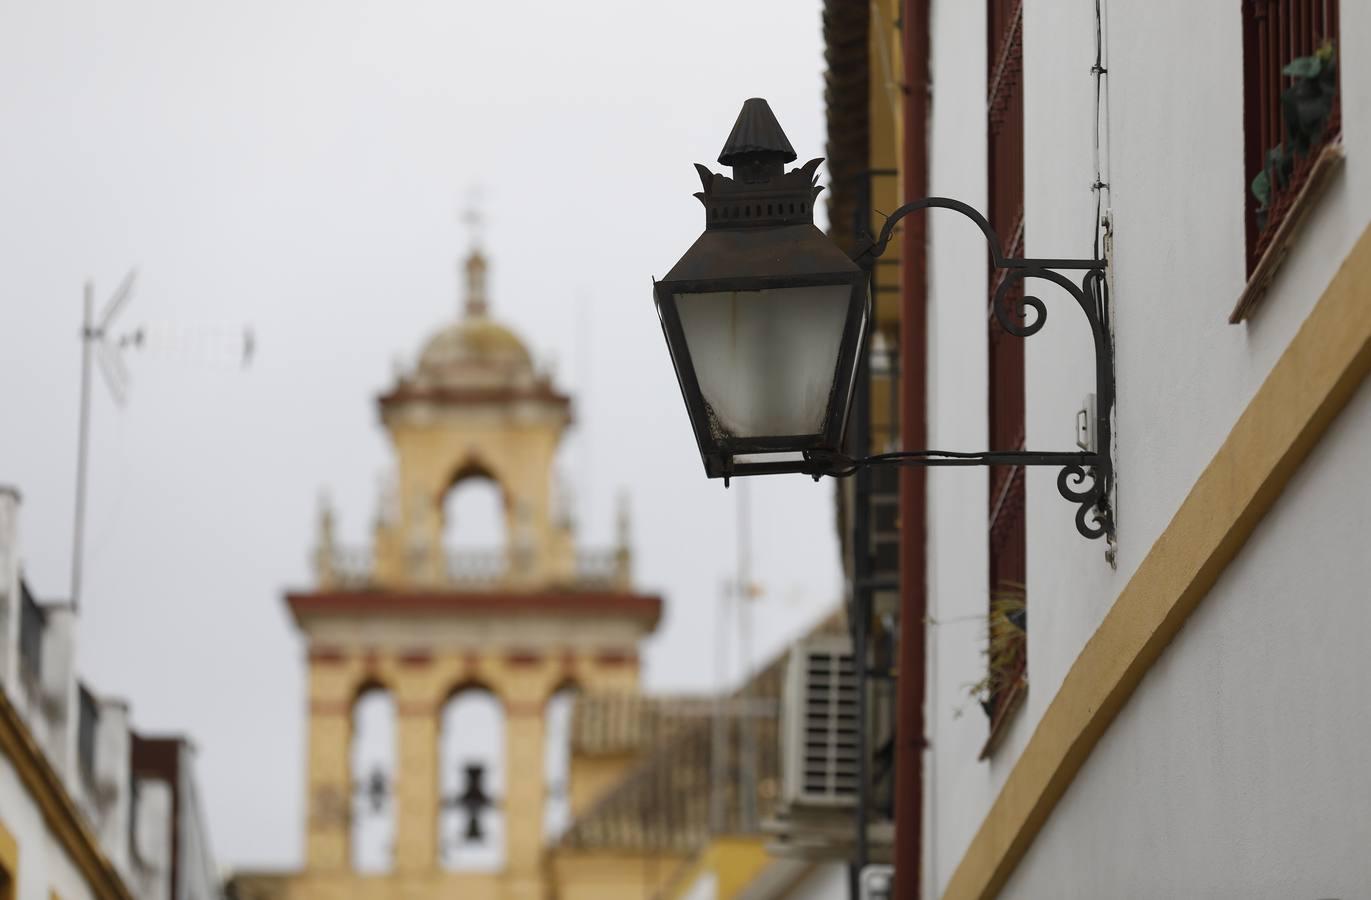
783	456
765	360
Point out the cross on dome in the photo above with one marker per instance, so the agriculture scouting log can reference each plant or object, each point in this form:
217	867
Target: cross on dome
477	303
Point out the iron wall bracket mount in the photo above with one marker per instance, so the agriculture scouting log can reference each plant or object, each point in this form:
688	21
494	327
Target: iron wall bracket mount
1086	477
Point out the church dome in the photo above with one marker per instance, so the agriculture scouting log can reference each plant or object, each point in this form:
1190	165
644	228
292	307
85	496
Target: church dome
474	343
475	351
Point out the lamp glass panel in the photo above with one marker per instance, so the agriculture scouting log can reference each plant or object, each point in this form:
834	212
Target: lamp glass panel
765	360
782	456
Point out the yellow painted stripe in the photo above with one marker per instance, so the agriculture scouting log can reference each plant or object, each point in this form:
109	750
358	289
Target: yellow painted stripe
1314	378
734	860
9	864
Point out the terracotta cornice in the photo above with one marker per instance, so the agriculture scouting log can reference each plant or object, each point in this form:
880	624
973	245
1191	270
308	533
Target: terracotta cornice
579	604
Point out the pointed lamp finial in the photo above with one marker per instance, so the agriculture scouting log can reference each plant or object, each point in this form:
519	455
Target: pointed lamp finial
757	148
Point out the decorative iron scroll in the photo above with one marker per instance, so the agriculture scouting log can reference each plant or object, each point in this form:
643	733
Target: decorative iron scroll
1086	477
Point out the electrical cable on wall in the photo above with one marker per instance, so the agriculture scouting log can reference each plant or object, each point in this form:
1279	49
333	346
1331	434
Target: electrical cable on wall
1100	153
1104	212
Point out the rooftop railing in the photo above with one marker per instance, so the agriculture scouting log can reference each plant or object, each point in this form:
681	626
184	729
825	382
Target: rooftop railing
479	569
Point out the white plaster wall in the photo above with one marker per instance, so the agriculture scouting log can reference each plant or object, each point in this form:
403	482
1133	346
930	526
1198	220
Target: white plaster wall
1070	584
59	694
152	837
9	588
112	783
957	788
44	866
1184	375
198	876
1239	767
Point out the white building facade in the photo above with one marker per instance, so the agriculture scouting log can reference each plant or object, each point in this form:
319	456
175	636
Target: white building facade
1191	721
89	809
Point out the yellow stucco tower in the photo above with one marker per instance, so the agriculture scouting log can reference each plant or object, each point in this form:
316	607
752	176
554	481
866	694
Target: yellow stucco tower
413	617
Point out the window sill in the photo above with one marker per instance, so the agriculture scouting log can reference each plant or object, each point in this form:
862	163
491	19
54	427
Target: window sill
1003	716
1329	159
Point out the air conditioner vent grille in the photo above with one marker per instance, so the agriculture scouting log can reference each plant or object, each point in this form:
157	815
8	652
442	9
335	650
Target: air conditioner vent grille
823	730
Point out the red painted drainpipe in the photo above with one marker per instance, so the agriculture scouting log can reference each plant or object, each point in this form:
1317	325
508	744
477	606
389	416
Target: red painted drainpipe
909	729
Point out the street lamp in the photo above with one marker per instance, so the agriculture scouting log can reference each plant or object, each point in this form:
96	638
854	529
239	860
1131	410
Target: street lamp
764	315
765	318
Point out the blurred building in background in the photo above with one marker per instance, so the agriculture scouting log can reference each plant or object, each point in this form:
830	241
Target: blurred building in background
89	808
750	795
693	818
460	662
572	784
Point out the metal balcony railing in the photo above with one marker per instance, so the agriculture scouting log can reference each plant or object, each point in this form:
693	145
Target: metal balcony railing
472	568
350	566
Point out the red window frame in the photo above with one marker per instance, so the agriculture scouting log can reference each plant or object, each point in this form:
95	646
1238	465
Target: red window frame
1274	33
1006	534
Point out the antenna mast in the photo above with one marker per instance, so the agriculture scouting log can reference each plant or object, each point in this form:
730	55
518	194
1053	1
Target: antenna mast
94	336
82	445
101	344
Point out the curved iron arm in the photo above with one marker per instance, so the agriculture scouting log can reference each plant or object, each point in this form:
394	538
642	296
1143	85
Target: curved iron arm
1086	477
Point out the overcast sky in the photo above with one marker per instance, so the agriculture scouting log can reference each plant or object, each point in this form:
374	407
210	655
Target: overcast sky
301	167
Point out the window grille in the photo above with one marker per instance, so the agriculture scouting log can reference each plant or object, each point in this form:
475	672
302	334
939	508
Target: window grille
1277	33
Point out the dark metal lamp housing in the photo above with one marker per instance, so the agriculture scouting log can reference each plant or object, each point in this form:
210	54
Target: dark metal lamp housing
764	315
766	321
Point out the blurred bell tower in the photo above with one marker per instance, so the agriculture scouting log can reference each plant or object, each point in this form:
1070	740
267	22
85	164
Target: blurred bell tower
424	622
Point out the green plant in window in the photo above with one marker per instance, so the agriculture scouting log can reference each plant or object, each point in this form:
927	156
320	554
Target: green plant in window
1305	108
1005	646
1273	176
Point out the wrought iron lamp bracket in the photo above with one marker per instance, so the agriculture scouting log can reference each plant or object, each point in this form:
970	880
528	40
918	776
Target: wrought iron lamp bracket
1086	477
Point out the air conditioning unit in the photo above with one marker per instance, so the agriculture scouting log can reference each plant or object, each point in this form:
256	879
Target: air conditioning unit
819	724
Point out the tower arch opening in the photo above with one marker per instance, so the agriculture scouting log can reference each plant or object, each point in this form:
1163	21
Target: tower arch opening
475	520
557	716
471	780
371	776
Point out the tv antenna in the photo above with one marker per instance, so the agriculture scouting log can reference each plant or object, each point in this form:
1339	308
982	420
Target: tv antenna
99	340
